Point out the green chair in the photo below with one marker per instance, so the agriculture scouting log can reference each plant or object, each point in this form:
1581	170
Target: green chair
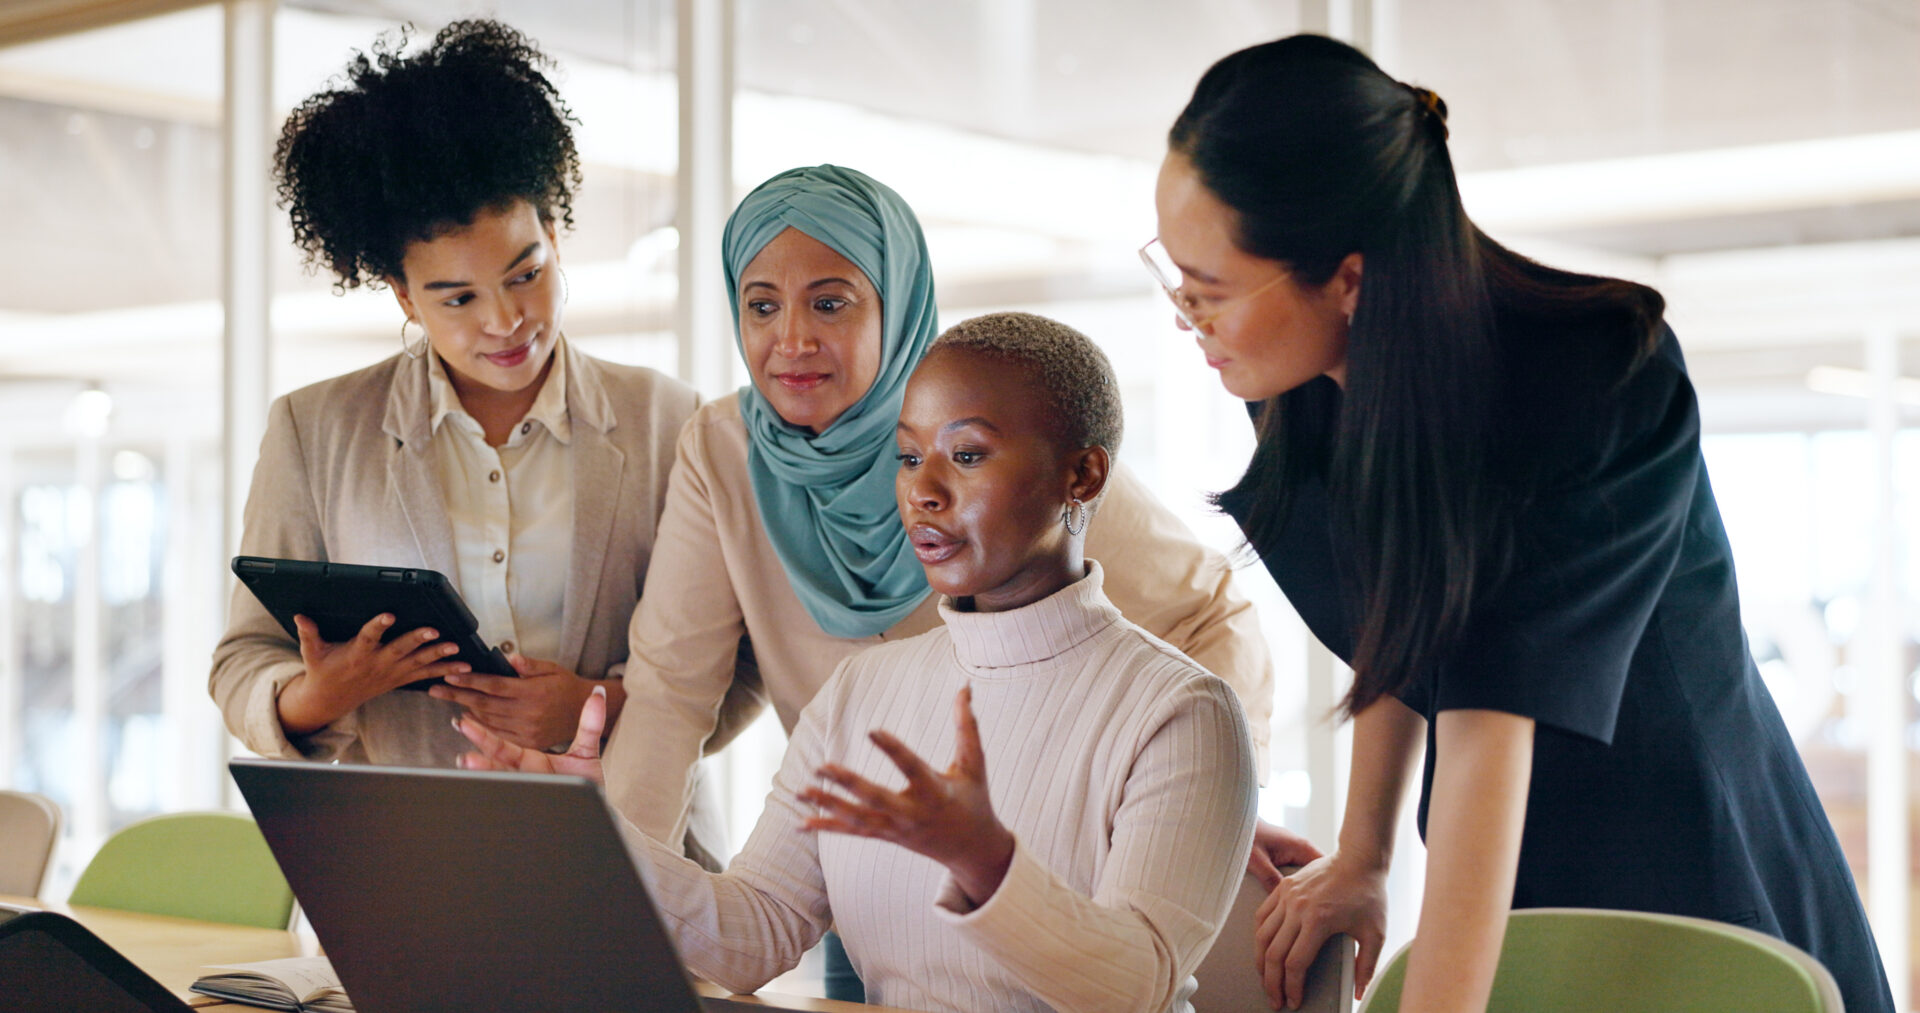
210	866
1567	959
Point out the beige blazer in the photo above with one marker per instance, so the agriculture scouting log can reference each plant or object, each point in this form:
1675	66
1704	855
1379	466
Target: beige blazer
347	473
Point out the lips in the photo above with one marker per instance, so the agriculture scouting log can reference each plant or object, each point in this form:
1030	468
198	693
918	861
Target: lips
801	381
511	357
932	545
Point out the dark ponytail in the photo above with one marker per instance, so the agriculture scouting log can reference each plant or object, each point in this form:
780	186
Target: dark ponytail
1321	154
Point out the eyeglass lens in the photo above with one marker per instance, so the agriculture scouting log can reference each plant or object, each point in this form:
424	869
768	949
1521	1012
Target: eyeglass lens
1164	271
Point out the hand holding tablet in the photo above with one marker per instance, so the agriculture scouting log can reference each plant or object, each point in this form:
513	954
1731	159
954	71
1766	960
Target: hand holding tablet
538	710
342	676
397	627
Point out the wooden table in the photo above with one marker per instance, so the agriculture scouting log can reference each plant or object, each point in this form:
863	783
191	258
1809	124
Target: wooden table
177	950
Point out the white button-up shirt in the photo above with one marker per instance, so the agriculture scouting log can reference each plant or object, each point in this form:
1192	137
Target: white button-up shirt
511	509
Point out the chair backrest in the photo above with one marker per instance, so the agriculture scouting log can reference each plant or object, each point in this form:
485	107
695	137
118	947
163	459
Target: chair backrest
211	866
1558	959
29	824
1230	981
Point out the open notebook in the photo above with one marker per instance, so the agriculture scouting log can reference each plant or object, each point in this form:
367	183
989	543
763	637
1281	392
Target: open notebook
297	984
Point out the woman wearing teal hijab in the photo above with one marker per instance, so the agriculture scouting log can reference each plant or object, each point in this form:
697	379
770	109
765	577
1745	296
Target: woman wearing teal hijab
827	498
780	552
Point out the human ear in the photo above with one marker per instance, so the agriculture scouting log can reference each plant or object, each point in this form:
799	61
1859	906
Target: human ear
1088	477
401	296
1346	282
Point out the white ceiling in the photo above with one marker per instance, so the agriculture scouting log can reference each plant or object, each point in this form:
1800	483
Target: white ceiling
1759	159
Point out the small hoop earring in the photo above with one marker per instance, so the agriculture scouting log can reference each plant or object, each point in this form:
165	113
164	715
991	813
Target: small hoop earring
566	291
412	351
1075	516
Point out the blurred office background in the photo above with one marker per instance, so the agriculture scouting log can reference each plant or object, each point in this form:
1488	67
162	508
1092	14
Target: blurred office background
1757	160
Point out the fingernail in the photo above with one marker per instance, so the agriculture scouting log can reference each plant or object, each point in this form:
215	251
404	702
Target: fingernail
456	725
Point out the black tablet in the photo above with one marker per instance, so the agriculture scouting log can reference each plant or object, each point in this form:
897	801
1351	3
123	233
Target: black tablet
50	963
342	597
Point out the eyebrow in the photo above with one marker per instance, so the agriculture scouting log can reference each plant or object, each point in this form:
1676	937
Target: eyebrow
511	264
1190	272
971	420
811	286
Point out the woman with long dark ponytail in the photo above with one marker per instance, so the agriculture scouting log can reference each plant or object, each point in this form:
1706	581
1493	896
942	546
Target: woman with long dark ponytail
1479	480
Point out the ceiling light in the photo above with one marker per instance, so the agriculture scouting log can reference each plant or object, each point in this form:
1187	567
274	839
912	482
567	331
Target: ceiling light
1859	383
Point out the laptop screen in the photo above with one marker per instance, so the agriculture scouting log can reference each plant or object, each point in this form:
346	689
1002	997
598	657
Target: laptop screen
453	889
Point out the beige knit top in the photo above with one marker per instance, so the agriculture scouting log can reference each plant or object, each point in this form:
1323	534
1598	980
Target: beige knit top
1123	770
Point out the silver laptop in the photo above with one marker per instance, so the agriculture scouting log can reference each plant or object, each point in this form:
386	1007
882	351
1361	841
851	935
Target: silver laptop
460	890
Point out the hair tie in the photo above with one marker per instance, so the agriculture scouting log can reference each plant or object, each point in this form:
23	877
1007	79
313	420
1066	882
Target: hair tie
1434	106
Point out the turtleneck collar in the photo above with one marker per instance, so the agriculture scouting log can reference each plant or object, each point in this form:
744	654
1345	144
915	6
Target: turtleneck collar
998	644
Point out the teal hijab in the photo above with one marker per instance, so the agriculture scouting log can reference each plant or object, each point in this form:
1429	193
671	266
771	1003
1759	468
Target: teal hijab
827	500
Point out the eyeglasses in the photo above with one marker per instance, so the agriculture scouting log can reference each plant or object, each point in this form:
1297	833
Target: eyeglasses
1186	307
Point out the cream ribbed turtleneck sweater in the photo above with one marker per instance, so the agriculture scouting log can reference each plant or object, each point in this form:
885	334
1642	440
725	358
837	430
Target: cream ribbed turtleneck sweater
1122	768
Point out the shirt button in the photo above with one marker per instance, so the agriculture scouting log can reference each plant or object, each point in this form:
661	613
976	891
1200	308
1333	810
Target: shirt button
499	555
506	647
525	428
493	476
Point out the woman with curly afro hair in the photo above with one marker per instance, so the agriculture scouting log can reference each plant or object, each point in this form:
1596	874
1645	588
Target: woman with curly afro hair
487	449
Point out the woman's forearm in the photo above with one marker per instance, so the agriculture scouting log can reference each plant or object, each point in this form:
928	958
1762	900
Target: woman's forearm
1483	765
1387	741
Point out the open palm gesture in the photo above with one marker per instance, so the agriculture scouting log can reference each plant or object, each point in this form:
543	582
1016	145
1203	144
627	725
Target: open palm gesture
944	815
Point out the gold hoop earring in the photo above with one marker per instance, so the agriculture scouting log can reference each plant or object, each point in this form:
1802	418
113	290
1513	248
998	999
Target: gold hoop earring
1075	516
412	351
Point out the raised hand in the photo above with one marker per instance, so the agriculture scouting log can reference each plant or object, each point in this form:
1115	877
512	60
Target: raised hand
582	759
342	676
537	710
944	815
